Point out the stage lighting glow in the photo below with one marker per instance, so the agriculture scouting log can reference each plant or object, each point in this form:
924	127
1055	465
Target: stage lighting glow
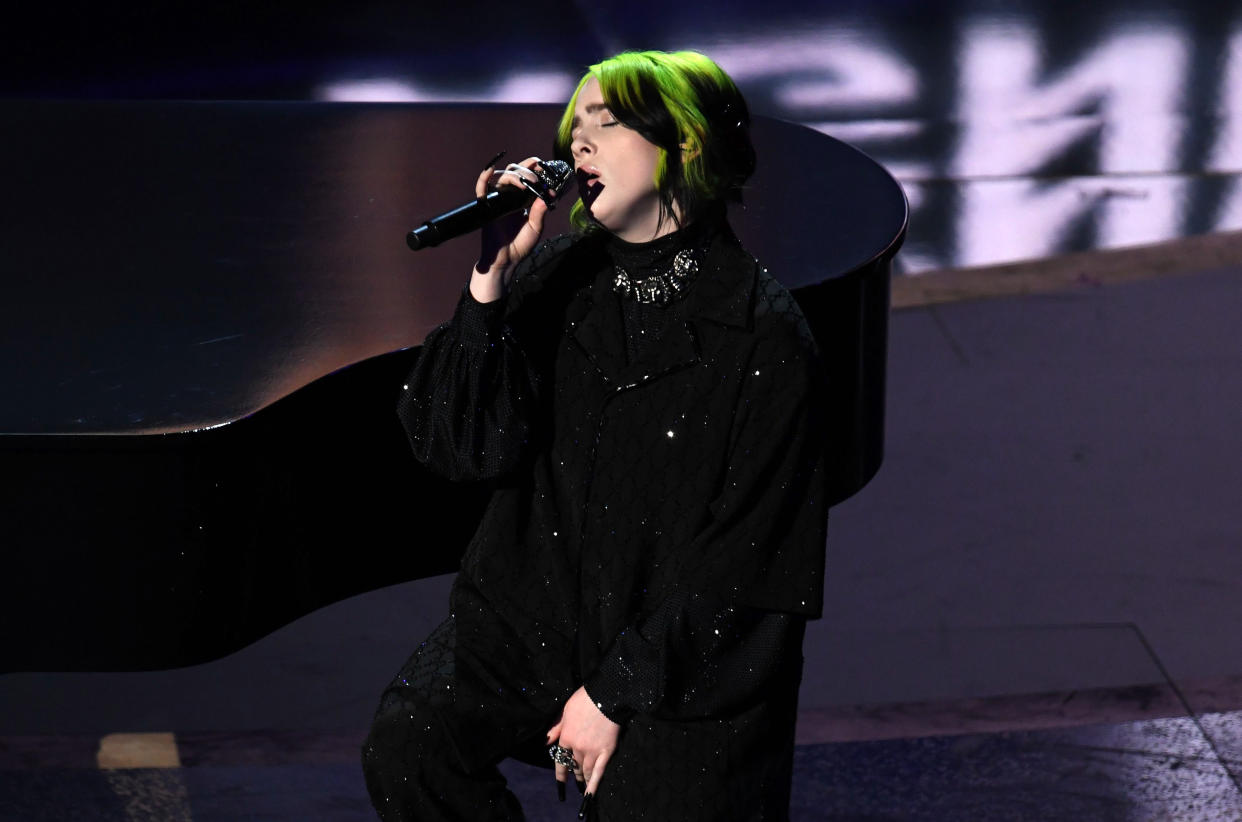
1020	114
820	67
519	87
379	90
1226	154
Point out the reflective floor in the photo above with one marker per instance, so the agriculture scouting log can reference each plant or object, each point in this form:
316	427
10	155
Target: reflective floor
1018	130
1152	771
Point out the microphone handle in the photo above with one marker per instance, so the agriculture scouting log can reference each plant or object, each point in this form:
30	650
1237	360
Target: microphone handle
468	217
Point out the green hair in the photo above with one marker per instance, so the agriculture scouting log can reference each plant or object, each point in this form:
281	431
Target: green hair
691	111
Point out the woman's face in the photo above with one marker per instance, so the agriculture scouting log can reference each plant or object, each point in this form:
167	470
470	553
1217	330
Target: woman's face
616	170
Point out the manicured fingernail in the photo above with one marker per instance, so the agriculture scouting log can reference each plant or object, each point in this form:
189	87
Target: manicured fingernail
560	790
585	808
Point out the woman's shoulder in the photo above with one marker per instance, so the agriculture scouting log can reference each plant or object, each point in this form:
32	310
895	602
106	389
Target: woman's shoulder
776	324
782	355
757	313
776	310
548	278
548	250
539	269
550	253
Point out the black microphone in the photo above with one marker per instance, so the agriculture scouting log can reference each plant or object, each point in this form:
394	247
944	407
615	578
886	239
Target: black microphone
554	177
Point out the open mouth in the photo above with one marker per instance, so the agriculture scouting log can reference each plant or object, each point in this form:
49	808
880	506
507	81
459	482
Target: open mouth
589	185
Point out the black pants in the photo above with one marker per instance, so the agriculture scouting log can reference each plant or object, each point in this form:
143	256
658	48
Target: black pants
413	773
411	759
736	769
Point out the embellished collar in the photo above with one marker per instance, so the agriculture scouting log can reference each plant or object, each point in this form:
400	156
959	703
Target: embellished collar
643	260
722	293
722	290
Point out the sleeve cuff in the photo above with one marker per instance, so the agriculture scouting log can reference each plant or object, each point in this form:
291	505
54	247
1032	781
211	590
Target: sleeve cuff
609	689
478	323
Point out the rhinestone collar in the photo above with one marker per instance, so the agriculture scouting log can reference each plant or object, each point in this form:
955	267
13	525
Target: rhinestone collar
662	287
659	271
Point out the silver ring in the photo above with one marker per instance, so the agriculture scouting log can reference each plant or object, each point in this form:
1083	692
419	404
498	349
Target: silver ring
563	756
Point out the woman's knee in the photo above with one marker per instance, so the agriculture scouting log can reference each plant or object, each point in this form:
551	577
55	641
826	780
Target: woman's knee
412	770
404	736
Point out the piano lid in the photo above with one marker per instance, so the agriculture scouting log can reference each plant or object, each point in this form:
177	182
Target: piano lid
173	266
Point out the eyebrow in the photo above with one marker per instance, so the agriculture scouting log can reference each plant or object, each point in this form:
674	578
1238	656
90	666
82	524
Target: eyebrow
591	108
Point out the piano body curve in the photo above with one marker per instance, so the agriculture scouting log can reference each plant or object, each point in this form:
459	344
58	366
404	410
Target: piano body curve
211	309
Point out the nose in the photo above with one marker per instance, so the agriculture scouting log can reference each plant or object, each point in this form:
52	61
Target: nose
580	146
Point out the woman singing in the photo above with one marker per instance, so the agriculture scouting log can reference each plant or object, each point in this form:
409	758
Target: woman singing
646	402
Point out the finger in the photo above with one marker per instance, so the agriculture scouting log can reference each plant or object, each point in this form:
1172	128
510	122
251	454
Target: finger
480	185
501	177
527	237
579	781
562	773
554	733
538	211
597	772
515	173
588	768
522	172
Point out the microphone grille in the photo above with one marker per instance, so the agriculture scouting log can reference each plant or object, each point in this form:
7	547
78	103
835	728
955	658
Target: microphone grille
554	177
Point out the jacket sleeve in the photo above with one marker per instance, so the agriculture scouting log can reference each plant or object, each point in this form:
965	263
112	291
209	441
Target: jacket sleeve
467	402
695	657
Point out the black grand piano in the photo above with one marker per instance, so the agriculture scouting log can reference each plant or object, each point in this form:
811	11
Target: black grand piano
208	311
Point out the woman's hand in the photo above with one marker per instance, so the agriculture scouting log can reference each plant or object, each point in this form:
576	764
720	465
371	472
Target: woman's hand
591	736
508	239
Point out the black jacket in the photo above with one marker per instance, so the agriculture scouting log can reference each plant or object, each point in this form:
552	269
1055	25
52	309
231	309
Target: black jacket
639	508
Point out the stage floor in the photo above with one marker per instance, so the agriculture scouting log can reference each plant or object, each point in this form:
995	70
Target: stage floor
1147	771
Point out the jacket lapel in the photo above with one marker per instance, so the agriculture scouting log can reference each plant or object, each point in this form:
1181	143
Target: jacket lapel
678	348
595	325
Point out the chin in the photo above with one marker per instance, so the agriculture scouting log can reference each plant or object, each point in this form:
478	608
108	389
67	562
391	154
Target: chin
600	218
